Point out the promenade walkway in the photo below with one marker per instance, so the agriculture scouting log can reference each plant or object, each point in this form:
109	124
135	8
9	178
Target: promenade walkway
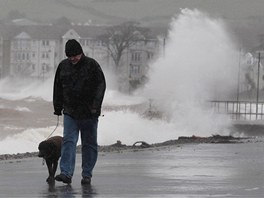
190	170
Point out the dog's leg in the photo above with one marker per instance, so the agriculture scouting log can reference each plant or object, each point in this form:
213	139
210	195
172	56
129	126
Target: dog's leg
50	179
54	167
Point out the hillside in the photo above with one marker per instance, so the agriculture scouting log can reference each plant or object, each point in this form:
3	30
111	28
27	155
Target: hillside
111	11
244	16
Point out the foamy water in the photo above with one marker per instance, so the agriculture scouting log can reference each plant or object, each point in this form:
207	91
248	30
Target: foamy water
198	64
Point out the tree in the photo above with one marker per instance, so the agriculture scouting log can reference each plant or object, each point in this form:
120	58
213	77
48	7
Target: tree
119	38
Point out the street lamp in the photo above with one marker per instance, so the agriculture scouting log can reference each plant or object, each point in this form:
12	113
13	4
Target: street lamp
238	85
259	53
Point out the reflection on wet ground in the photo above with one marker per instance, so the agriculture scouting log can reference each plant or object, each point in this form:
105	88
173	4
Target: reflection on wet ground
68	191
201	170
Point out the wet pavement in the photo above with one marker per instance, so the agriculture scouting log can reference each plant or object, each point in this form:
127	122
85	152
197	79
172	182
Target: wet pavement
191	170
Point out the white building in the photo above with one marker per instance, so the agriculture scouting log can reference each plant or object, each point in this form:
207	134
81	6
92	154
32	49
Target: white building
35	51
32	57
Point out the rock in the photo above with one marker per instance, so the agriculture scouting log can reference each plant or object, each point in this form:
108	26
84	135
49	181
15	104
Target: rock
119	147
141	144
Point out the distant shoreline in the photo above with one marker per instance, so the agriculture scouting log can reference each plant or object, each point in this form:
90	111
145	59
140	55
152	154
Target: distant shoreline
141	145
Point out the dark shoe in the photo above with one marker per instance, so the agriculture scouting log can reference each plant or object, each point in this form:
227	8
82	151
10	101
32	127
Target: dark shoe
86	181
63	178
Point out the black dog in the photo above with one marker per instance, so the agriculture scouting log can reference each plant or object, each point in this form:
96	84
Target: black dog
50	150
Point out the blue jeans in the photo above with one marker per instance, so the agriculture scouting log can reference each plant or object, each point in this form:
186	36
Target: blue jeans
88	129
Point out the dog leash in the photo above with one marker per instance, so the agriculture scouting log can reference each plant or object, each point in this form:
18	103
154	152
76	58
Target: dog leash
58	120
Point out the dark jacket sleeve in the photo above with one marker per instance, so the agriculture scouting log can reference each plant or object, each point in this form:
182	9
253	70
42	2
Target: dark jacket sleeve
99	89
57	94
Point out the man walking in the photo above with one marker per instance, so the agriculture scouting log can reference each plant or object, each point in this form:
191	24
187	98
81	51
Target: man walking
78	92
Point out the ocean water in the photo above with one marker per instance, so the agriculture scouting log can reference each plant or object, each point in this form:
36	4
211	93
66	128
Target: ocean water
197	64
24	123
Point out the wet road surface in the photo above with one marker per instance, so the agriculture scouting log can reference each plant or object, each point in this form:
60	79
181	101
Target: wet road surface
192	170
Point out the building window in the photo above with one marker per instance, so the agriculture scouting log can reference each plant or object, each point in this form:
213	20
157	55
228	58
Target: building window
45	55
134	70
45	42
84	42
136	56
150	55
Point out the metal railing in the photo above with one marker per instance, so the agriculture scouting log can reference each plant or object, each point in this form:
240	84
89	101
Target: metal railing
240	110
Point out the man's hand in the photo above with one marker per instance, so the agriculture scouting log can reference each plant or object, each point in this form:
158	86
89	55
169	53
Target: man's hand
58	113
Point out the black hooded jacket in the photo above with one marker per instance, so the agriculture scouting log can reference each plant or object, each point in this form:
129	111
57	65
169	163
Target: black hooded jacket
79	89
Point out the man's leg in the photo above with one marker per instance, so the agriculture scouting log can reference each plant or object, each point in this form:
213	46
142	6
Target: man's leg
89	146
68	152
